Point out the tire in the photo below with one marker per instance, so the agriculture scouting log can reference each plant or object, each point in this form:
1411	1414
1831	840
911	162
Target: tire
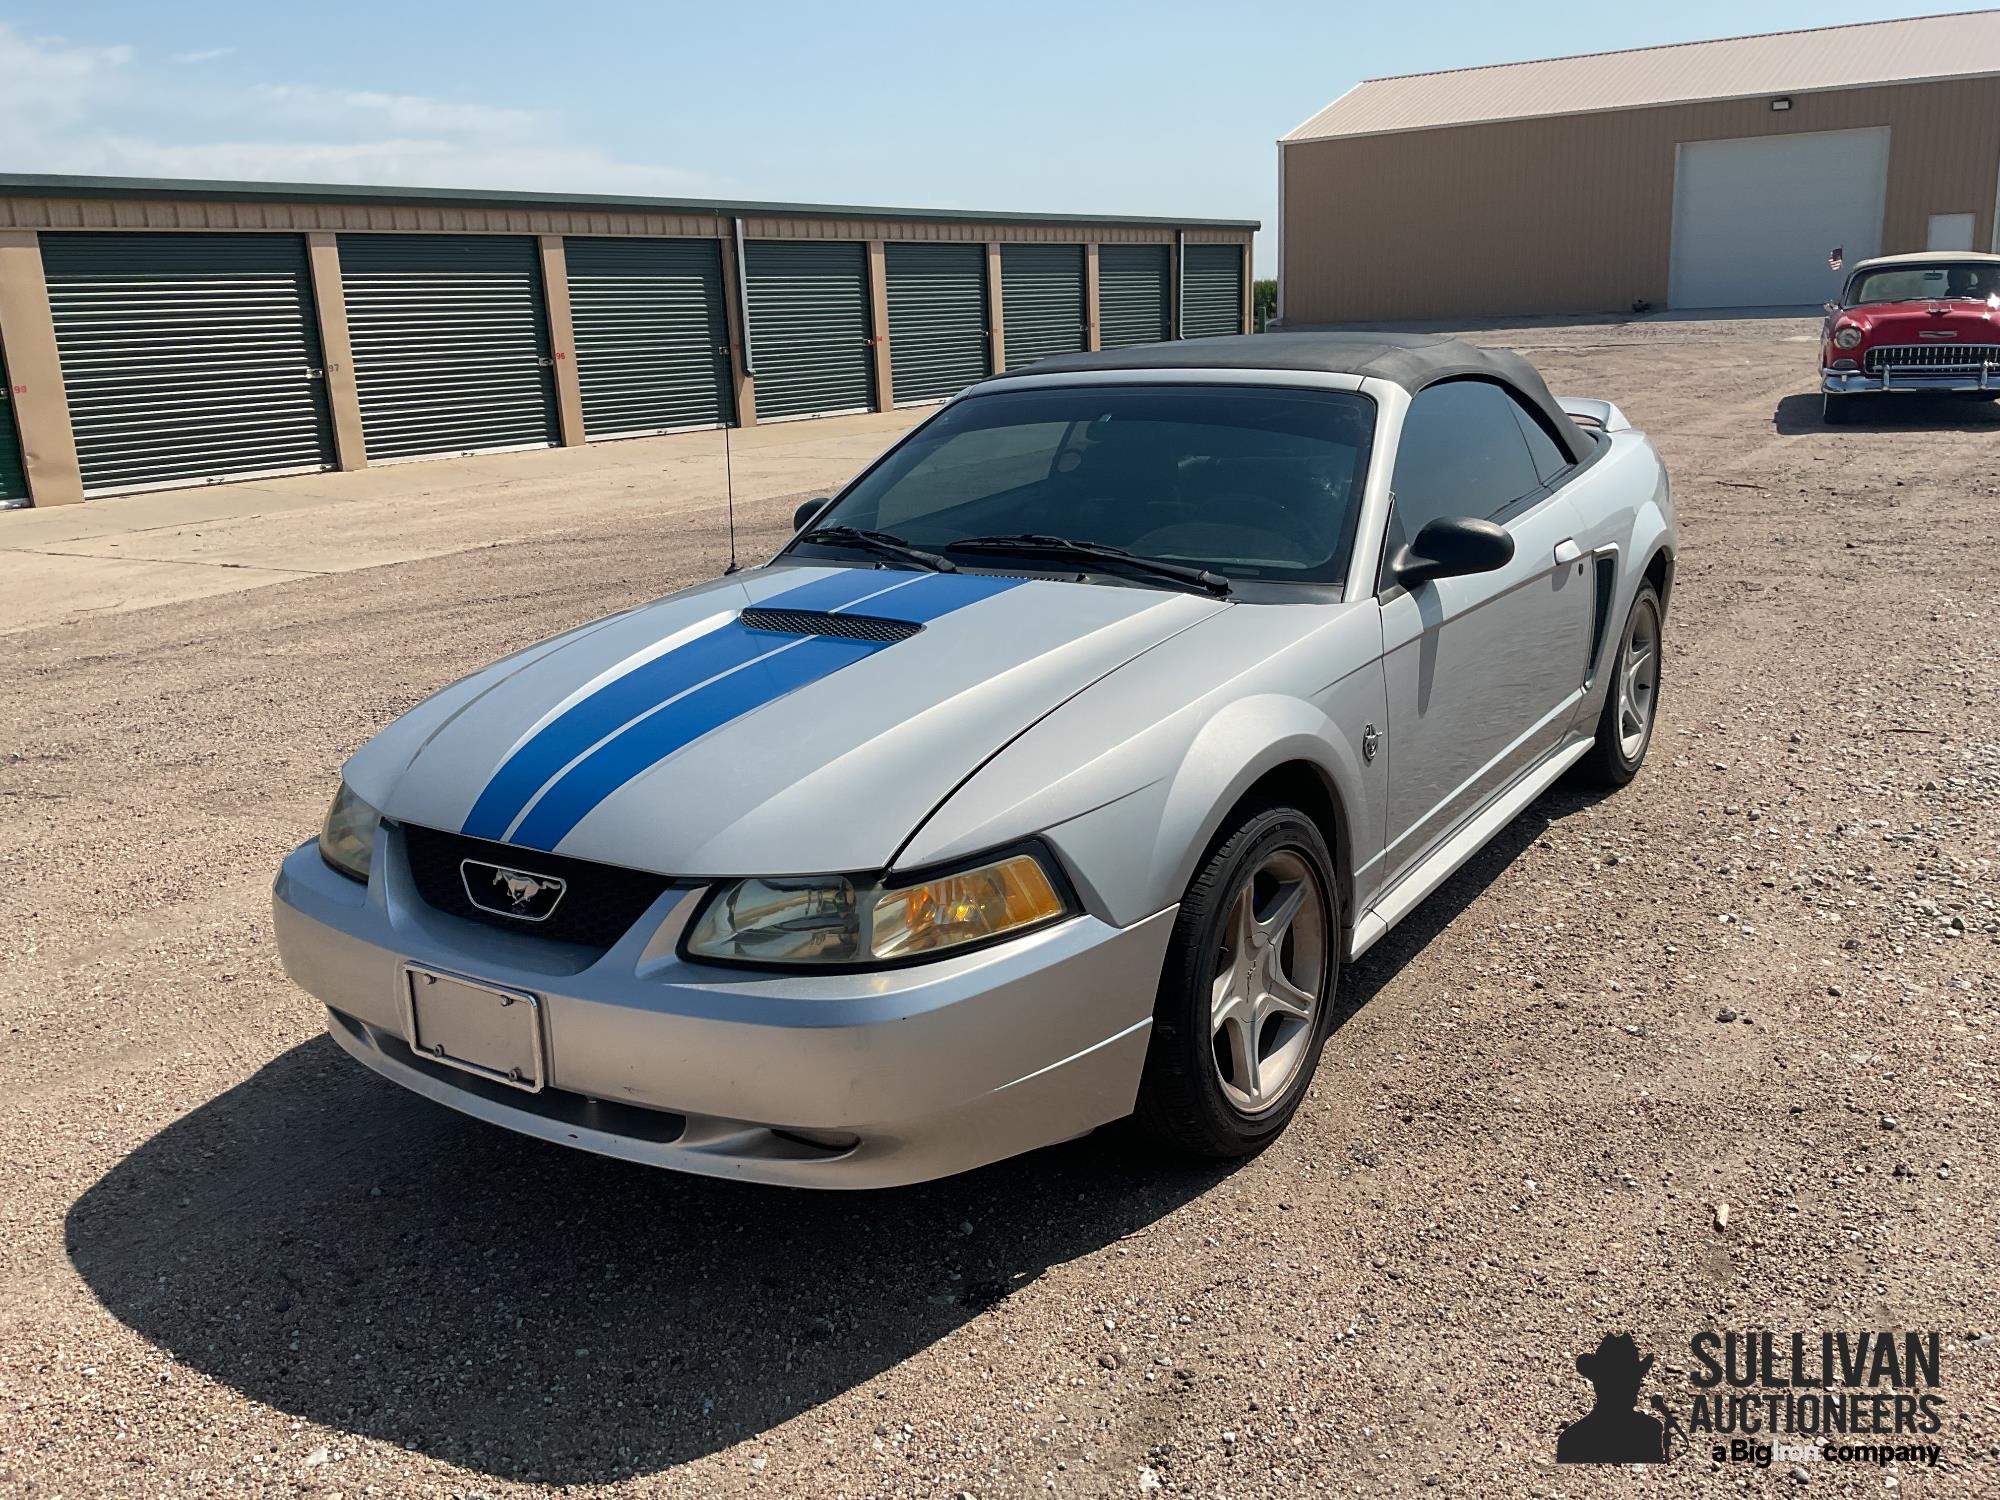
1620	748
1835	409
1223	1080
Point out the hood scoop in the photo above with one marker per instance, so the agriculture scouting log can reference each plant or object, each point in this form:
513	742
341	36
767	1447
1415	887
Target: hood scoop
821	622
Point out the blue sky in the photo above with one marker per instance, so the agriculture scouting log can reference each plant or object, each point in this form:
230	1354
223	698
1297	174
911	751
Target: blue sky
1101	107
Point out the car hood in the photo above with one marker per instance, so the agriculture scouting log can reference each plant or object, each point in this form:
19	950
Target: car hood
811	734
1921	322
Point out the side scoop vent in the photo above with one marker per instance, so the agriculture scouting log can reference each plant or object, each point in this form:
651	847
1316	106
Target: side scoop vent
817	622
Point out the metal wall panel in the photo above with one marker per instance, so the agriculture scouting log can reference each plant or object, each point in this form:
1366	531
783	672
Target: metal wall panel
1212	291
809	335
187	358
1134	288
650	334
451	342
1041	298
1437	224
937	319
13	478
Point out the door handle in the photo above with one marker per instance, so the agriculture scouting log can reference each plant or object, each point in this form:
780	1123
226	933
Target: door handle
1567	552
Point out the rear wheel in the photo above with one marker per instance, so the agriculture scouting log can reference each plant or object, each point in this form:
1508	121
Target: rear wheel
1246	995
1835	408
1632	701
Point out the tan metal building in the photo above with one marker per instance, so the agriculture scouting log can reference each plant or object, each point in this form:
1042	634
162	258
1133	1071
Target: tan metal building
1710	174
155	334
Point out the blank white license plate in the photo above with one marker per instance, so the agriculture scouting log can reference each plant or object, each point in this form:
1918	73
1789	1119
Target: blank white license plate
481	1028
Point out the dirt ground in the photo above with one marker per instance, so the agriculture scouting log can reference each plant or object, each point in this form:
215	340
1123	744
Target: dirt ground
1766	976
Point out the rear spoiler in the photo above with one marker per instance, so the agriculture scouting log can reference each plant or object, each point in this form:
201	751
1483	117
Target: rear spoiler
1601	415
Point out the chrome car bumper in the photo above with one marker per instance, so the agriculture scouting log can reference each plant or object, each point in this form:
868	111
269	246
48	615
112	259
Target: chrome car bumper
823	1080
1910	378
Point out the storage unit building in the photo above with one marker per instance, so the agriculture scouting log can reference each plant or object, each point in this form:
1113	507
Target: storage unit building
1711	174
1135	295
1042	301
939	342
650	333
187	358
172	333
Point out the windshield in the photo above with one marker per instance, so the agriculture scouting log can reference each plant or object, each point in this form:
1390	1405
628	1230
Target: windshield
1919	283
1249	481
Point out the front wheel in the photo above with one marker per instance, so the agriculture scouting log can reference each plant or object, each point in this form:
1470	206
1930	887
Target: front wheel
1247	992
1836	409
1632	700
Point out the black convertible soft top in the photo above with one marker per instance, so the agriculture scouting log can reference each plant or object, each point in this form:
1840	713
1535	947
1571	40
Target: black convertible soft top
1411	360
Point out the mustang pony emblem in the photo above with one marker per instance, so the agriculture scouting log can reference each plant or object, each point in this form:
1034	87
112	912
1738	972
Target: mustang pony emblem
521	889
511	893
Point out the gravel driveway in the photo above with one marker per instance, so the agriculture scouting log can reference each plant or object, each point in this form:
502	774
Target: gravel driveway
1717	1051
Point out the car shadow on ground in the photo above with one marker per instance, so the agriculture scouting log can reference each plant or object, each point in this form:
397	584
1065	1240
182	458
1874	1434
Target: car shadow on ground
349	1253
1800	414
343	1251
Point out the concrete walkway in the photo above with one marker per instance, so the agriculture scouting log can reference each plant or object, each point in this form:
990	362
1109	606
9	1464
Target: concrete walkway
134	551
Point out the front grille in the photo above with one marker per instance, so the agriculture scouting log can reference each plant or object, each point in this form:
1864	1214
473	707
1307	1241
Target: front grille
1942	355
817	622
598	907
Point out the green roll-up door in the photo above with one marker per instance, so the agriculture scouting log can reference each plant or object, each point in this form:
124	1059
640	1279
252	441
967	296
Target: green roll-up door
937	319
809	333
188	358
451	343
1041	301
13	478
1212	291
651	335
1133	305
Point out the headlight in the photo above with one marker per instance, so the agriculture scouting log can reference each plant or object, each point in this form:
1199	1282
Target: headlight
835	920
1846	336
347	839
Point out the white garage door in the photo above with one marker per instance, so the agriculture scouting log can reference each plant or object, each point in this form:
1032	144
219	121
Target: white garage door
1755	219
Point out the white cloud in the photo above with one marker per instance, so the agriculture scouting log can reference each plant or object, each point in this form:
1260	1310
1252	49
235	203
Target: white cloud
308	104
48	84
106	110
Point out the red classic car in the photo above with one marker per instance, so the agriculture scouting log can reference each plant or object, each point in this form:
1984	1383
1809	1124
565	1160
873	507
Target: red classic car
1928	322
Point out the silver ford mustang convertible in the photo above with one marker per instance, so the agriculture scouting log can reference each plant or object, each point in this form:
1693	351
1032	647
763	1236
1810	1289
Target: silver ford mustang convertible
1048	776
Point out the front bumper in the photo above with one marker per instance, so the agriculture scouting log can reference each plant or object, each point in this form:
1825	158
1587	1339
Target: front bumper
1910	378
812	1080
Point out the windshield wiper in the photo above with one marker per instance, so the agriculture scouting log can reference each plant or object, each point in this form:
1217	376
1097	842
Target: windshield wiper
881	543
1036	544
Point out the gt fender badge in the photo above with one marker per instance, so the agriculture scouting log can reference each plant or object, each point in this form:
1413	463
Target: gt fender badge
1370	742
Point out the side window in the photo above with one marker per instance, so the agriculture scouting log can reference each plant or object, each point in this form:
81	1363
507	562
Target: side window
1549	460
1462	454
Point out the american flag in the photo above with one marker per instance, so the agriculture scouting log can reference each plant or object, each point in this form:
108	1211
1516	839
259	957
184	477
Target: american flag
1835	256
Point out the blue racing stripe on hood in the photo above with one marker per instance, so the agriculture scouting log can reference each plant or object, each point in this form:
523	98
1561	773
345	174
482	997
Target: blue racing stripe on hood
645	744
646	687
550	783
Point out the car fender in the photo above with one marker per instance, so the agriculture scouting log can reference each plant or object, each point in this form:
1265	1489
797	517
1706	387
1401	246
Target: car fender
1653	531
1232	752
1131	811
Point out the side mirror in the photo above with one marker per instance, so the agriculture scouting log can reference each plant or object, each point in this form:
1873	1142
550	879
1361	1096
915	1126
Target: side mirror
1451	547
807	513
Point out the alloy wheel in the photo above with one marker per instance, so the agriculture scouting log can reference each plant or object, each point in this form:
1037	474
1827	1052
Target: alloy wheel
1270	971
1638	678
